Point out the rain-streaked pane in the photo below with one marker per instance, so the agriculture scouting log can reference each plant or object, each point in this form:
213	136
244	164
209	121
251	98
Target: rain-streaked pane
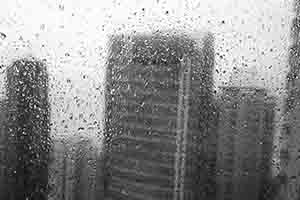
156	99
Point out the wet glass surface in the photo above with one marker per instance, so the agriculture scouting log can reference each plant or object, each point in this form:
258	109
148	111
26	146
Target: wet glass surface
149	100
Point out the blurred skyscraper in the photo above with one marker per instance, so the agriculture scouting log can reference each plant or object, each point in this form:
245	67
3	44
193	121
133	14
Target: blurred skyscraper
28	129
245	142
73	169
3	152
83	155
160	116
57	173
291	128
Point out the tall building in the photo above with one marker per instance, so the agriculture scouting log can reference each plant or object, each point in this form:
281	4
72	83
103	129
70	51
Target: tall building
293	80
83	154
159	118
72	169
245	142
291	128
57	170
28	129
3	152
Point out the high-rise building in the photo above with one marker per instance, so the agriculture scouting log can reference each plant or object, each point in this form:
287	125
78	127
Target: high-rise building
85	170
71	178
291	128
28	129
72	169
293	79
159	117
57	170
245	142
3	152
290	152
80	169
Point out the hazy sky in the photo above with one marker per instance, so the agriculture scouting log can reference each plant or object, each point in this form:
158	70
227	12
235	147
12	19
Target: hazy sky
251	36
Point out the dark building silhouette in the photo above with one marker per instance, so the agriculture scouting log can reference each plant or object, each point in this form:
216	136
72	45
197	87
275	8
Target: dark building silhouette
3	151
57	170
28	129
245	143
160	115
290	155
80	169
73	169
293	80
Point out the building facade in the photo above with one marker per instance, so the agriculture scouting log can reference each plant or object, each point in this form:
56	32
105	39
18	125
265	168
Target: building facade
83	155
72	169
28	129
57	170
159	114
290	154
245	143
3	152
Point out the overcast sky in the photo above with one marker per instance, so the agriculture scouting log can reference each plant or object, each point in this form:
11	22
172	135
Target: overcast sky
251	35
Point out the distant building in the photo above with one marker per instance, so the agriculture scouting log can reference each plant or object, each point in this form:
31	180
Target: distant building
284	150
73	169
28	129
85	169
245	142
57	170
290	152
3	152
71	178
160	116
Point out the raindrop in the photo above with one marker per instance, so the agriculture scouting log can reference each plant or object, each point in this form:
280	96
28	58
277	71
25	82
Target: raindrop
61	7
42	26
2	35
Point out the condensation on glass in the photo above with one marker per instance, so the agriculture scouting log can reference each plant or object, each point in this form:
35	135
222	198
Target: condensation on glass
149	100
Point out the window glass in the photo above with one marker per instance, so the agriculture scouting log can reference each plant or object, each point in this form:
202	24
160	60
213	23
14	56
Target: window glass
156	99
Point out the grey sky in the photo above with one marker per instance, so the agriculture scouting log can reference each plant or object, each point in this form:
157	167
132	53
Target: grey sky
251	35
